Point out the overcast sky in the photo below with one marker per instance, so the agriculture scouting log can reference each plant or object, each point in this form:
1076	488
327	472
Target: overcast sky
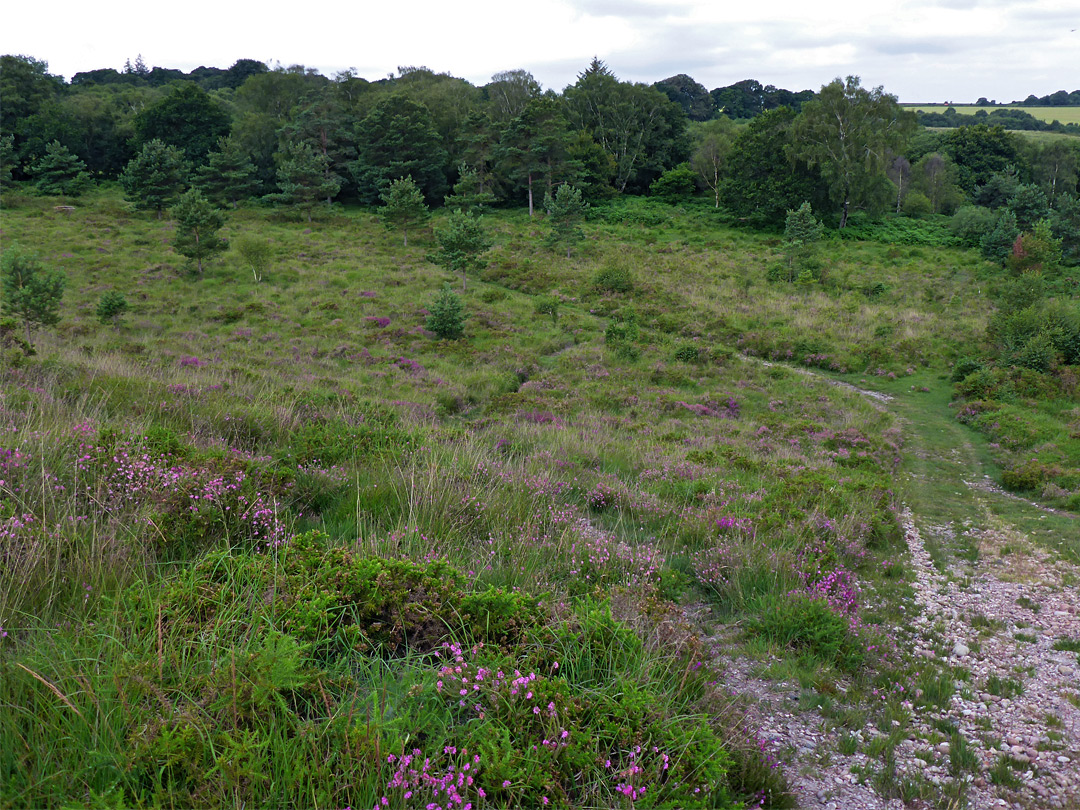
920	50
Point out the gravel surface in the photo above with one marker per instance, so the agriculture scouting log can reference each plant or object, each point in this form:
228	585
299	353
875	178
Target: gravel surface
992	624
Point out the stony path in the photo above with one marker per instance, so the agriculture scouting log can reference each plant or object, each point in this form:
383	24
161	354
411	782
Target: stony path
993	622
999	619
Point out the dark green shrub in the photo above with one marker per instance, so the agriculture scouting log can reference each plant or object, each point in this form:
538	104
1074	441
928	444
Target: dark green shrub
111	308
963	367
614	278
808	623
447	318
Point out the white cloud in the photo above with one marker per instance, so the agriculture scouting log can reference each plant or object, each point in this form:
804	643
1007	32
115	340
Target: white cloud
918	49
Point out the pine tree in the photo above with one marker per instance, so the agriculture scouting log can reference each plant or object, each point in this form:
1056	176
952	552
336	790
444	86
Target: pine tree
29	291
446	318
111	308
197	224
60	172
997	245
403	206
462	244
565	212
469	194
229	175
304	178
801	231
155	177
7	159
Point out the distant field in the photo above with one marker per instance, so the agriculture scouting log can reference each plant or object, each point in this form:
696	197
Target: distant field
1066	115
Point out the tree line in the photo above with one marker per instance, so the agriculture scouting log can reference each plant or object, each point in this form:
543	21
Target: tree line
290	136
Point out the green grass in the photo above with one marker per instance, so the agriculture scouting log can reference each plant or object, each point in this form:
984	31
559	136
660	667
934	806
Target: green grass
261	507
1066	115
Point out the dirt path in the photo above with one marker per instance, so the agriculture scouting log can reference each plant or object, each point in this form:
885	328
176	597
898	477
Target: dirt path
989	607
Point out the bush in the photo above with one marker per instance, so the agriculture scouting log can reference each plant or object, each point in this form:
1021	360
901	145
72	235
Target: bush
675	184
807	622
447	319
970	223
615	278
918	205
111	308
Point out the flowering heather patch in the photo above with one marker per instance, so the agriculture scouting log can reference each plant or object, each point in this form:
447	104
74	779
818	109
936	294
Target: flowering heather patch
377	321
192	362
412	366
729	409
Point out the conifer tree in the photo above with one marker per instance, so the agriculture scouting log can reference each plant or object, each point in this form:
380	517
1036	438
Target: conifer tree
155	177
462	244
565	212
30	292
229	175
60	172
403	206
801	231
197	224
304	178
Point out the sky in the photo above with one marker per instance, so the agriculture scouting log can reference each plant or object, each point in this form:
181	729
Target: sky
919	50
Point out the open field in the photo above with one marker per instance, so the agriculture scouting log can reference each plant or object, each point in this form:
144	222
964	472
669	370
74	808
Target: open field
269	542
1066	115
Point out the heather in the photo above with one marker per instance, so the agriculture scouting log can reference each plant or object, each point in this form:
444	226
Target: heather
270	539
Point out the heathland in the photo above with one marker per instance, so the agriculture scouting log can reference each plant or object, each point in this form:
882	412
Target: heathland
405	501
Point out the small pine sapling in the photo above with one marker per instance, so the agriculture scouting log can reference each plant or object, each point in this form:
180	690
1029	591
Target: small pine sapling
447	316
111	308
29	291
197	224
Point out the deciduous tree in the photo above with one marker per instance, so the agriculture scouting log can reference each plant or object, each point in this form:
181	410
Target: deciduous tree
849	133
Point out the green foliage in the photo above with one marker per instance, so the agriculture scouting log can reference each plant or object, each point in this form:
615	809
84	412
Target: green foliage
304	178
469	194
616	278
256	253
7	159
111	308
1037	251
801	233
31	292
565	211
760	181
229	175
186	118
848	132
197	224
60	172
155	177
462	244
970	223
1029	206
447	316
997	243
396	139
894	230
808	623
674	185
918	205
403	207
548	305
622	333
